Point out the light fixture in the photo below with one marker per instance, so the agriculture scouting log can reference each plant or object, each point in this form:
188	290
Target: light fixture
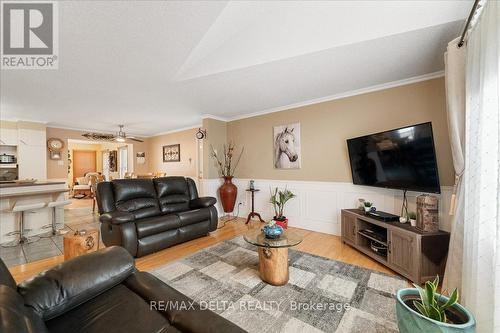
120	136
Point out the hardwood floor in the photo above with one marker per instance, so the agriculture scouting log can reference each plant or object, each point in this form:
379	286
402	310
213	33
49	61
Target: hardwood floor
316	243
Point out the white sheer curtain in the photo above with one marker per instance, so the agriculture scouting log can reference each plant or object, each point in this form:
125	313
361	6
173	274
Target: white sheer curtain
454	59
481	257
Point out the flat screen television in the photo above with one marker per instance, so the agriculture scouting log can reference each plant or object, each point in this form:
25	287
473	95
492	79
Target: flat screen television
402	158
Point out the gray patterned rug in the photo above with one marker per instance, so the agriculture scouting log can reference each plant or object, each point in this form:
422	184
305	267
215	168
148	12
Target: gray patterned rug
322	295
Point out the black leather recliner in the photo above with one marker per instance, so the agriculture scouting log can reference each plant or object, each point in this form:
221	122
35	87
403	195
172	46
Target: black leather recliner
100	292
147	215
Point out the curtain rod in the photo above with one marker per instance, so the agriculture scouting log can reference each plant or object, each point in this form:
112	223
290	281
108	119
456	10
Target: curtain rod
467	23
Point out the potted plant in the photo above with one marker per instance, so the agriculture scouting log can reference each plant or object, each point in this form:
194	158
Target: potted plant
226	168
278	200
424	310
412	217
367	205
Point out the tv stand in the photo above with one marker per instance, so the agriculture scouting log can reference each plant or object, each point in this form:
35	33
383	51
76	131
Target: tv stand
417	255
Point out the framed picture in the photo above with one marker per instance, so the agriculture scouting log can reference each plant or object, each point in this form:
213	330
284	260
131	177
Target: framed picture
113	160
172	153
141	157
287	154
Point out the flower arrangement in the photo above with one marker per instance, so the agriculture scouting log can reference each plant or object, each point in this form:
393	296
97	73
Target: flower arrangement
226	168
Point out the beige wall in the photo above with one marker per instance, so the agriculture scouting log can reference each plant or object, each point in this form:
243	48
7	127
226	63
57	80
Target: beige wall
187	165
59	169
216	137
326	126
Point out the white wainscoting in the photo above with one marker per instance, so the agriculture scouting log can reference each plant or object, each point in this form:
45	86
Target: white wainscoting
318	205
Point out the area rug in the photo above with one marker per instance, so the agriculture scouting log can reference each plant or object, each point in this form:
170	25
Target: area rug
322	295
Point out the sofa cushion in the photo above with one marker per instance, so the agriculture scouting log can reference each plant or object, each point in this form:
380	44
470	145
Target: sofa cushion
156	224
157	242
173	194
15	317
117	310
136	196
194	216
67	285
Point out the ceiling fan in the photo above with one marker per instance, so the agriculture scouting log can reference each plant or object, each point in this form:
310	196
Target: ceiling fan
121	136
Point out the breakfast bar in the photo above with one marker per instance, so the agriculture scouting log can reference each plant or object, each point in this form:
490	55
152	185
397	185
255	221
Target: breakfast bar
22	194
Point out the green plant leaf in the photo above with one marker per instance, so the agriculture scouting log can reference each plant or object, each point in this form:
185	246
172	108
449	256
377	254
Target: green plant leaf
422	294
435	314
421	308
436	283
451	301
429	291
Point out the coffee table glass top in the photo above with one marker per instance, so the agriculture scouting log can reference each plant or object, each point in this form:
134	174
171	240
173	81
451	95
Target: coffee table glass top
287	239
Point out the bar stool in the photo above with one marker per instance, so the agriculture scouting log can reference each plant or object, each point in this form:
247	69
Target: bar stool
53	225
22	209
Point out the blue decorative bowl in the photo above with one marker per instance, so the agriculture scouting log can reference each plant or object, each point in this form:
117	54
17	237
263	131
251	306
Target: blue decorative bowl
273	232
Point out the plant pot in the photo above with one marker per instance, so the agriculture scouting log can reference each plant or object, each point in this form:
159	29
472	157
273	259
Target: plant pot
367	209
413	222
282	221
411	321
228	192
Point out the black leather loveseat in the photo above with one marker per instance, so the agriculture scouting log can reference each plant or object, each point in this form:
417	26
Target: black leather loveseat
147	215
100	292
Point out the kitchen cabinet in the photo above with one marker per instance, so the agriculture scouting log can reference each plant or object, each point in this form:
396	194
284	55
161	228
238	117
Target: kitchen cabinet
9	136
32	137
32	154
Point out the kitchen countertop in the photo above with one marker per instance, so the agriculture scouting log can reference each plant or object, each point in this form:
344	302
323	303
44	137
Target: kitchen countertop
41	183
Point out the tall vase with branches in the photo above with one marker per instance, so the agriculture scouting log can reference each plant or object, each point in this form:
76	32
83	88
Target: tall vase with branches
226	168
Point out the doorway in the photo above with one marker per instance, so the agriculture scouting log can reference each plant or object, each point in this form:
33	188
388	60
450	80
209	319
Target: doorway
84	161
122	161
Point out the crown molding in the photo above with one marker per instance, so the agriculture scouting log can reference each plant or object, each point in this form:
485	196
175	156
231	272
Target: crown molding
91	130
15	120
211	116
350	93
175	131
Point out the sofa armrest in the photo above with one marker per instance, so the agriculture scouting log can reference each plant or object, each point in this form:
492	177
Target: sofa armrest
202	202
117	217
64	287
182	312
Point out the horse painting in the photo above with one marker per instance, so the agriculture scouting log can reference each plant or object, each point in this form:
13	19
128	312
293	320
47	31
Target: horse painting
287	146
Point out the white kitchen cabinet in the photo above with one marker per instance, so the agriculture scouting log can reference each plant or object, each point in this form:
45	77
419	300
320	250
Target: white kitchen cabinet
9	136
32	137
32	154
32	162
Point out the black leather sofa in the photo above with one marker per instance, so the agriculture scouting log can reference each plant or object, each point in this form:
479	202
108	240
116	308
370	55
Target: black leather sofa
147	215
100	292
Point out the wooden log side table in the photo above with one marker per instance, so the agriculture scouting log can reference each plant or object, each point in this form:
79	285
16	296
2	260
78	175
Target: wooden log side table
80	242
273	255
253	213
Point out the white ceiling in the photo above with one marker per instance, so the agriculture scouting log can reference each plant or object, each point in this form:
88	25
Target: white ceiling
157	66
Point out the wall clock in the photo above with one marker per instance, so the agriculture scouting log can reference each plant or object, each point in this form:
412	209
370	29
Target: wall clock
55	147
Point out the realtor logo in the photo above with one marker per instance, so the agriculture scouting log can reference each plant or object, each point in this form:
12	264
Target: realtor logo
29	35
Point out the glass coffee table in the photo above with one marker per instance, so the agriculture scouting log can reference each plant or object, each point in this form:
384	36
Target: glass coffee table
273	254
